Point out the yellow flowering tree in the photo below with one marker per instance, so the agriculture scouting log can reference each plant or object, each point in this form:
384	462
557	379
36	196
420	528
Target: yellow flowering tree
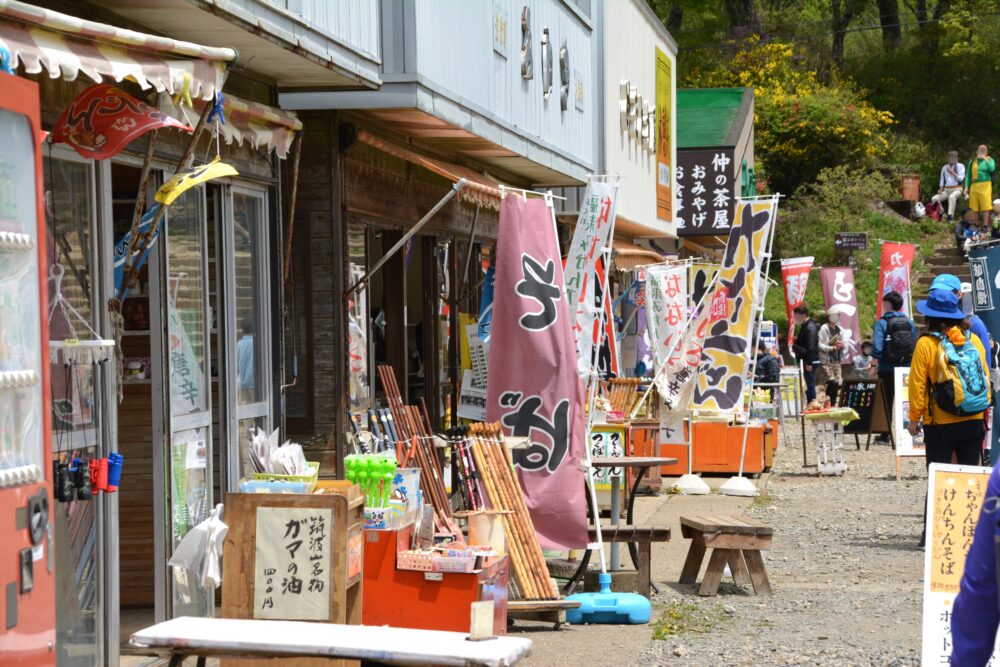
802	125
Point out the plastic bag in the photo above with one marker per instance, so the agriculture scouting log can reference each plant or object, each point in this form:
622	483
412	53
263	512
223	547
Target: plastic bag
200	551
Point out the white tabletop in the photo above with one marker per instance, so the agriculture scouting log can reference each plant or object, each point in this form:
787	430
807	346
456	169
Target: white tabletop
395	646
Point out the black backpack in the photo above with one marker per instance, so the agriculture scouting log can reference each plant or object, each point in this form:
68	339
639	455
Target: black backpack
899	341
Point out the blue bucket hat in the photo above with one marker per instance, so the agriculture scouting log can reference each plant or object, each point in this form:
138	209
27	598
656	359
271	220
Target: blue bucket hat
941	303
948	282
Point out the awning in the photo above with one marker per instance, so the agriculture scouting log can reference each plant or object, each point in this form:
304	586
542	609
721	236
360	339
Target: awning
481	189
628	256
257	123
64	46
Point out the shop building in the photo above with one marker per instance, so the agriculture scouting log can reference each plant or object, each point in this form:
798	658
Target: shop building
203	338
715	161
492	92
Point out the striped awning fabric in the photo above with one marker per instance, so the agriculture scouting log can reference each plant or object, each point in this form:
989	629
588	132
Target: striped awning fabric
259	124
64	46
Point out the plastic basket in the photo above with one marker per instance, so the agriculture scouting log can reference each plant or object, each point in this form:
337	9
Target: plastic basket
309	479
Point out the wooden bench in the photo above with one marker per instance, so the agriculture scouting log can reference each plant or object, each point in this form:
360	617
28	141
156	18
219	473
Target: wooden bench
734	540
640	540
548	611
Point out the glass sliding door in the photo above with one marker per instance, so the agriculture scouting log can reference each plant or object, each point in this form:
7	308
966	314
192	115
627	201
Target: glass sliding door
248	321
77	407
186	443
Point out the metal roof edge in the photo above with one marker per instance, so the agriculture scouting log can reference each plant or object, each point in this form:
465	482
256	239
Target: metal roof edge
740	119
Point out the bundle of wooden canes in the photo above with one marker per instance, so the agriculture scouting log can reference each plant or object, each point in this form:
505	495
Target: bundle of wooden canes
496	473
413	426
623	394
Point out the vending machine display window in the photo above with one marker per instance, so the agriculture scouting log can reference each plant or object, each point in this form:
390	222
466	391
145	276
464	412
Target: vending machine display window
21	435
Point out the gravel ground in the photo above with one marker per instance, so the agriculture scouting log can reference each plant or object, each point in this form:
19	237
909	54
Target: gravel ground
844	566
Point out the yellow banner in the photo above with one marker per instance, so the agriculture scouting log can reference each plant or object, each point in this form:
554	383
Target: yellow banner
726	355
664	121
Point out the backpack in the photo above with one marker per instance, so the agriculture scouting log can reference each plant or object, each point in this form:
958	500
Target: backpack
959	383
899	341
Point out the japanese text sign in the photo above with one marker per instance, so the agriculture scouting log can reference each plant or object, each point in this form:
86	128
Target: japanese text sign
291	573
534	390
840	297
894	273
795	276
590	238
705	197
726	355
954	497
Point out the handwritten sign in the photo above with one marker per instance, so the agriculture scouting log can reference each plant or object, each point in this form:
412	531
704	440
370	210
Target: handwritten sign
906	444
954	497
292	564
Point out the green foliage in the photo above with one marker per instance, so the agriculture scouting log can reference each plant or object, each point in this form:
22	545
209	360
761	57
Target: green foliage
802	126
845	200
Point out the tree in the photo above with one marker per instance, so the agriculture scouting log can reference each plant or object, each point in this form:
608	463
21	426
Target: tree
892	31
842	13
743	17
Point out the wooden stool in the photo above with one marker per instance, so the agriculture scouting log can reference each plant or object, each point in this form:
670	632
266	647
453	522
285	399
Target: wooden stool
735	541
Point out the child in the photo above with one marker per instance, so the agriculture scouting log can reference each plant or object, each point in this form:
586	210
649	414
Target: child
865	362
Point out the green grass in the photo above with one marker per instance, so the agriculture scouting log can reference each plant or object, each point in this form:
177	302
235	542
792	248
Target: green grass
762	499
818	242
680	617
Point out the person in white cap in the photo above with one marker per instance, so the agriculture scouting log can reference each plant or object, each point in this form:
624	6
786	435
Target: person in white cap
950	184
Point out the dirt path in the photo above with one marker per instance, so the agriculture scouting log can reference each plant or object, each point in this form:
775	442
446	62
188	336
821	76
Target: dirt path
845	569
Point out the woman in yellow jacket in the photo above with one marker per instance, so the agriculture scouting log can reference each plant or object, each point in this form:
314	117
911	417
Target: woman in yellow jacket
944	433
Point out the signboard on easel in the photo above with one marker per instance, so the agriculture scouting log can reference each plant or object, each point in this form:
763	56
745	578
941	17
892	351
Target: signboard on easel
906	444
954	497
866	397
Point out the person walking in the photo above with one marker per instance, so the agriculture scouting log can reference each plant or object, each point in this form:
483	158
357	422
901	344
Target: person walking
830	345
979	184
951	282
950	184
893	341
806	349
945	356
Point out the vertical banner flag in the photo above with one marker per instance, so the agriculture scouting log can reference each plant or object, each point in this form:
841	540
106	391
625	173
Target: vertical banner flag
726	354
839	296
700	279
894	273
635	343
984	268
486	307
591	236
795	276
664	145
606	340
955	496
534	390
667	292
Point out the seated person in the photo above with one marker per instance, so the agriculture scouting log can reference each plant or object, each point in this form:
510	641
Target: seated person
966	231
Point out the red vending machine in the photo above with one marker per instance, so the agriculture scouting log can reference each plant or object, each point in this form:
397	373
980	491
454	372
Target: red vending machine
27	559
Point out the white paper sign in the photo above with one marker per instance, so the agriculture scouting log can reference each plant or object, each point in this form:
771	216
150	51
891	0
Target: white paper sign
954	497
472	399
291	573
906	445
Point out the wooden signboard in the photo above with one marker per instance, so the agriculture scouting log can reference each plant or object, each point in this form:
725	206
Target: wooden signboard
294	556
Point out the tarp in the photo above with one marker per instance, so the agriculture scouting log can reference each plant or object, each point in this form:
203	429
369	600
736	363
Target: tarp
533	388
839	295
258	124
726	355
65	46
